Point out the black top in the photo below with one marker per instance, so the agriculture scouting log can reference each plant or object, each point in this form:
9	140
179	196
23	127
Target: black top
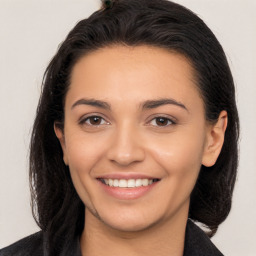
197	243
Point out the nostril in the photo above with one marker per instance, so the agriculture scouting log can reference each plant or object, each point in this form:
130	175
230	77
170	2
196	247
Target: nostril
125	159
126	147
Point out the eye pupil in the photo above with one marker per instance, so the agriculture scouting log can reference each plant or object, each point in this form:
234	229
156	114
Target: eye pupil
95	120
161	121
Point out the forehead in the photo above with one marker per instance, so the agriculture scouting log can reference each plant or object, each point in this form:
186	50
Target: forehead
128	57
140	72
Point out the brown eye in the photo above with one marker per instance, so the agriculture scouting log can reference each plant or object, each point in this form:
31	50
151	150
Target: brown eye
162	121
94	121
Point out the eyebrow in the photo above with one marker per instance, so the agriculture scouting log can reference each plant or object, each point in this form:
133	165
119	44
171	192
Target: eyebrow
92	102
149	104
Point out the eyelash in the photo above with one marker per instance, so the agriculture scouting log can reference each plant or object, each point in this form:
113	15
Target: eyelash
89	118
164	119
155	119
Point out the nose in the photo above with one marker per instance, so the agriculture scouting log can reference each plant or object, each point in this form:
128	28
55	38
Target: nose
126	147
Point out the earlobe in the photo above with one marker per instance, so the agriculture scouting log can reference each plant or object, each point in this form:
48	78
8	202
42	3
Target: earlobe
214	140
60	135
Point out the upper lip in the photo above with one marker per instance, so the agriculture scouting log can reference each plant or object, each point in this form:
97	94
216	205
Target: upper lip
126	176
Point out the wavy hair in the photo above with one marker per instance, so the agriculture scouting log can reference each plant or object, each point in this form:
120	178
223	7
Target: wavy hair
57	208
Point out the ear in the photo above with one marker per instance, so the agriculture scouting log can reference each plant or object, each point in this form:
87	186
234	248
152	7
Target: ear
214	140
60	135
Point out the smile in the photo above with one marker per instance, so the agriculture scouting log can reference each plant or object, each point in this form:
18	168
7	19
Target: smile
128	183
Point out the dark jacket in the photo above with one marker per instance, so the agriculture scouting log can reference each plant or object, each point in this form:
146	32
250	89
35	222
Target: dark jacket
196	244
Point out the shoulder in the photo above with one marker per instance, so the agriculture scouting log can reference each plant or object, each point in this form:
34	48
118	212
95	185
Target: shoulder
198	243
28	246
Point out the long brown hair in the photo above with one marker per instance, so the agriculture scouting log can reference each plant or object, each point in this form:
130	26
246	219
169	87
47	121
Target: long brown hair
57	208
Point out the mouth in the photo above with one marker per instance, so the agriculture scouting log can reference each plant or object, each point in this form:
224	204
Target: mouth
128	183
127	188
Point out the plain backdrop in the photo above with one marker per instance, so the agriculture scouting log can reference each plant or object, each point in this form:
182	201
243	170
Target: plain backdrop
30	32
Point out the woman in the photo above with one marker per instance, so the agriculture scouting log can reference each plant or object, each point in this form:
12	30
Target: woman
135	137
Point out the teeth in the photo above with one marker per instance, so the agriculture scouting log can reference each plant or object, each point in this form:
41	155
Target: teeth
131	183
145	182
116	183
123	183
110	182
138	183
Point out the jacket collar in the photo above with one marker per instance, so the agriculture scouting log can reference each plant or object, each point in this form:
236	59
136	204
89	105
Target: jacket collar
197	243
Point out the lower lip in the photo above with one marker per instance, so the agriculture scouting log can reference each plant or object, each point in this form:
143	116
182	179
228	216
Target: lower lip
127	193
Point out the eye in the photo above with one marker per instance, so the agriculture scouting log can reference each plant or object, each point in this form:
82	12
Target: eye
94	121
161	121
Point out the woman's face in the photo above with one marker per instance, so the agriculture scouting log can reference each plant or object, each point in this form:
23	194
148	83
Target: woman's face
135	135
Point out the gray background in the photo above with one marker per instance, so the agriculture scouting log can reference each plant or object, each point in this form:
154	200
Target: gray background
30	32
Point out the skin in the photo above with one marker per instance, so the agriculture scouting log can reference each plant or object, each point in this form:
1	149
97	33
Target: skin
129	138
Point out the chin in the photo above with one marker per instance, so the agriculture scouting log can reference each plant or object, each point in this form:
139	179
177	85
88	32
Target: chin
127	220
130	225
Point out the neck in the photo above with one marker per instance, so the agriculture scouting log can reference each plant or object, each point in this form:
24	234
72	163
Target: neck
163	238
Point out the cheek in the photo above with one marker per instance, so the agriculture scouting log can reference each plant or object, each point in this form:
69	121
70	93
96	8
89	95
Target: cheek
182	164
180	157
179	149
83	151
